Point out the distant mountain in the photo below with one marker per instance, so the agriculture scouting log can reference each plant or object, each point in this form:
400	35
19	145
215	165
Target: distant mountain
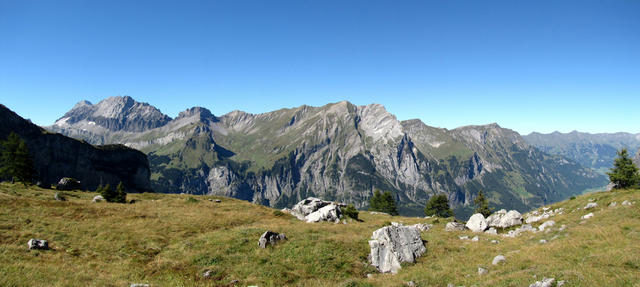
596	151
57	156
344	152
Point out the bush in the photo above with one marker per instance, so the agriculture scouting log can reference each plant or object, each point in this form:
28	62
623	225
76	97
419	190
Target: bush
572	197
192	200
438	205
624	173
383	202
118	195
351	211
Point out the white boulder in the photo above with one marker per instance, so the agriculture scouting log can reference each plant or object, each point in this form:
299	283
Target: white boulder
454	226
588	215
330	213
392	245
314	209
38	244
504	219
98	198
549	223
590	205
498	259
546	282
477	223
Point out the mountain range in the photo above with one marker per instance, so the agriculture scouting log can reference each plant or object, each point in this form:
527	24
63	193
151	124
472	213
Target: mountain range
339	151
596	151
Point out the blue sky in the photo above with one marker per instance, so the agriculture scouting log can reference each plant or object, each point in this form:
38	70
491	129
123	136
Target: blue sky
527	65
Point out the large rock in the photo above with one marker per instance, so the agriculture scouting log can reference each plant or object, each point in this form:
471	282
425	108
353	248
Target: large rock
38	244
330	212
504	219
392	245
67	183
314	209
590	205
98	198
454	226
477	223
270	238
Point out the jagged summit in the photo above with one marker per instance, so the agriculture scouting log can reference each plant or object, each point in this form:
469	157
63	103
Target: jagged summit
114	114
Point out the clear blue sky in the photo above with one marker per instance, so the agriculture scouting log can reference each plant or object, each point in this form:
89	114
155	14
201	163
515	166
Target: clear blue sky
527	65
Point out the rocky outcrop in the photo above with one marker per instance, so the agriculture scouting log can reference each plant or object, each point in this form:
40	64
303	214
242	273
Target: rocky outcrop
67	183
546	282
393	245
56	156
504	219
314	210
477	223
270	238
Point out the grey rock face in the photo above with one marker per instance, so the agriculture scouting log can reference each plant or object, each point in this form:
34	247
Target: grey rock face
504	219
546	282
38	244
392	245
477	223
67	183
454	226
270	238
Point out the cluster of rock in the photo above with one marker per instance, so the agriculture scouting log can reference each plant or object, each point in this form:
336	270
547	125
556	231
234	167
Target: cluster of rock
547	282
393	245
314	210
499	219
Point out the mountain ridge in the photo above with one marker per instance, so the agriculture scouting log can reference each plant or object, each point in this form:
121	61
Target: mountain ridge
341	151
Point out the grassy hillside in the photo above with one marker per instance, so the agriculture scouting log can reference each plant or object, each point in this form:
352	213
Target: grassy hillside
169	240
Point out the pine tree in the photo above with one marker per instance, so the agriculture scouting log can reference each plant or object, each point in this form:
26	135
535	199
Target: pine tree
15	160
383	202
121	195
624	173
438	205
482	205
107	193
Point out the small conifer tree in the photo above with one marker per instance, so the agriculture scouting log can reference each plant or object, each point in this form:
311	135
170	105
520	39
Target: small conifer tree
383	202
15	160
624	173
438	205
482	205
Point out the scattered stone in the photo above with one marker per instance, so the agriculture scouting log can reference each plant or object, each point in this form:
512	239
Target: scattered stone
38	244
519	230
626	203
423	226
59	197
369	275
410	284
495	241
217	200
543	241
504	219
270	238
562	227
560	283
546	224
482	271
492	231
454	226
392	245
536	216
139	285
67	183
234	282
590	205
463	237
475	238
207	273
613	204
546	282
380	213
588	215
98	198
498	259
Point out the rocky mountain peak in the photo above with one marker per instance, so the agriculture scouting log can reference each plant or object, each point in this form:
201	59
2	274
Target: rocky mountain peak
115	114
203	113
